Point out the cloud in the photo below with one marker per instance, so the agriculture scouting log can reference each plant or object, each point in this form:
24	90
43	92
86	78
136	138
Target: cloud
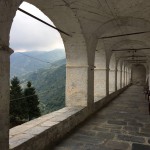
28	34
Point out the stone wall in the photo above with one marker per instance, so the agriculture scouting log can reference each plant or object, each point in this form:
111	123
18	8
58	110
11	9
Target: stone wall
42	133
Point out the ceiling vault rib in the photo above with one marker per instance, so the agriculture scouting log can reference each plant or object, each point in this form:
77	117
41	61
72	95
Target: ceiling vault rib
119	35
131	49
136	60
131	56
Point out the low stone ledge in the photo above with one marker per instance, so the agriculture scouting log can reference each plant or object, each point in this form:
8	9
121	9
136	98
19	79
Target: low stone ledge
42	132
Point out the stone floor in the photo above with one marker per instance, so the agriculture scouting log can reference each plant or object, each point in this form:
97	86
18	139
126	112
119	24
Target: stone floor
123	125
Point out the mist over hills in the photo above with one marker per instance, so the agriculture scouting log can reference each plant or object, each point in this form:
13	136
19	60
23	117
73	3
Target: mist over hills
27	62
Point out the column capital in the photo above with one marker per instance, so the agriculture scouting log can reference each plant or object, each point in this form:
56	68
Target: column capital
100	69
81	66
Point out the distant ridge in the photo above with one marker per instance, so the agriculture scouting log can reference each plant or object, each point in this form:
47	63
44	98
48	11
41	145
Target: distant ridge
21	64
49	77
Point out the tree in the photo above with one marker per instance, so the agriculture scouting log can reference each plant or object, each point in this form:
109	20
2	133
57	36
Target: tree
18	105
33	101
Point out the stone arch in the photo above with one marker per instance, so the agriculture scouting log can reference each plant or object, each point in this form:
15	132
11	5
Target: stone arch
123	44
68	23
126	71
75	46
78	89
100	72
112	73
79	73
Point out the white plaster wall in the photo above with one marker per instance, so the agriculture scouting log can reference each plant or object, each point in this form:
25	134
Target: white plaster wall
112	73
100	72
99	84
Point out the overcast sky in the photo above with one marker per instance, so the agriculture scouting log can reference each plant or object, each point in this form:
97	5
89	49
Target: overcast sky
28	34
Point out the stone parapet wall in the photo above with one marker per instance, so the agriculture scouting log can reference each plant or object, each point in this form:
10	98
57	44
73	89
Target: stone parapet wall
43	132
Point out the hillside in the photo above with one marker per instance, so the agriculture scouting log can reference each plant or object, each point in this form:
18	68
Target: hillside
27	62
47	78
51	84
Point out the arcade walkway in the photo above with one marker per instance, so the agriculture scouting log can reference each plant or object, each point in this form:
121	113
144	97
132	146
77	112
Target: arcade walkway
123	125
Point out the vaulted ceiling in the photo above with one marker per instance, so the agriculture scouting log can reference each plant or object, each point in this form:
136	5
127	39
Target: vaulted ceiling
105	18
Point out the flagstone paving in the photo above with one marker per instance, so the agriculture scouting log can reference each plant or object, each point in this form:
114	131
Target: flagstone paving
124	124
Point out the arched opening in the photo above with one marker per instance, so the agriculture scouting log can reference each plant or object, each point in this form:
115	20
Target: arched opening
138	74
112	73
100	73
39	57
76	54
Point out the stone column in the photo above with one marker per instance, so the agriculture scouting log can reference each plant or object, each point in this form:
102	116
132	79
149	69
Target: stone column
111	81
124	77
79	80
118	79
148	75
99	83
4	97
107	81
121	78
128	77
116	76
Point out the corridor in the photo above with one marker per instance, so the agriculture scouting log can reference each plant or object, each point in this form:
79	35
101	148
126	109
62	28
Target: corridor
124	124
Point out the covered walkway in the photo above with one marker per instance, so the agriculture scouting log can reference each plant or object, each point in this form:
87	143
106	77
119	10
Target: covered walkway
123	125
107	48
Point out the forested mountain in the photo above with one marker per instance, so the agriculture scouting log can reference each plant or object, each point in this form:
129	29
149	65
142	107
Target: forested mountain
48	79
27	62
50	86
